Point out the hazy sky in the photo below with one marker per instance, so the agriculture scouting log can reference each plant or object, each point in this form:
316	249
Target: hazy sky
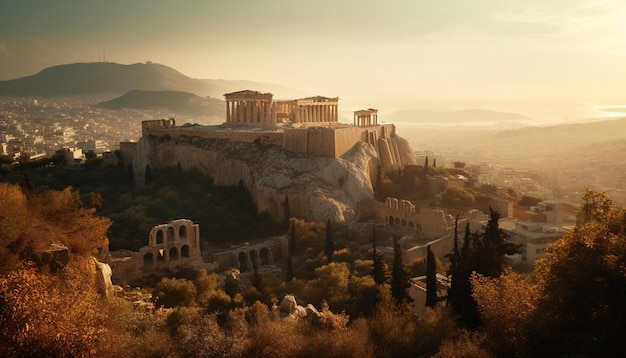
566	55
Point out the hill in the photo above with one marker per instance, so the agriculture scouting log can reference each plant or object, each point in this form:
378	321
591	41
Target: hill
463	116
107	78
172	101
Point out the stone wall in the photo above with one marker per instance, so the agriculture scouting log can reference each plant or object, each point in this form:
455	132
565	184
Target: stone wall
170	247
266	253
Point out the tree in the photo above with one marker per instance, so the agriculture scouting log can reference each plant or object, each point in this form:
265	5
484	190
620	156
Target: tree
379	268
174	292
292	240
582	286
460	291
286	212
399	276
289	277
431	278
329	248
426	165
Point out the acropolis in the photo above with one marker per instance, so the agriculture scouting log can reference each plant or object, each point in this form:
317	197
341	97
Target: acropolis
307	125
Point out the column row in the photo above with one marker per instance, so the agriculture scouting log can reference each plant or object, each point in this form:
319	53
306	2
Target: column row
317	113
249	111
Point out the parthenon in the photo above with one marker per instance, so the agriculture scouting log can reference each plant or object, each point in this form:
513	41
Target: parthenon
256	107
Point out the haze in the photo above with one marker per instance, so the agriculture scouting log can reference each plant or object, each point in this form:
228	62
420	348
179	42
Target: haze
550	60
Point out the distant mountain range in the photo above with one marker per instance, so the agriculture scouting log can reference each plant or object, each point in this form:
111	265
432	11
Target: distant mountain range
172	101
112	79
468	115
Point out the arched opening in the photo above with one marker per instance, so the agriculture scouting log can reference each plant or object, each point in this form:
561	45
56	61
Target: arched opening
184	251
159	237
396	221
264	255
170	233
148	259
411	225
173	254
161	256
243	262
403	222
390	220
418	227
182	232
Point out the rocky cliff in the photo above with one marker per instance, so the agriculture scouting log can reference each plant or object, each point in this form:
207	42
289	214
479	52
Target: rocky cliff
318	188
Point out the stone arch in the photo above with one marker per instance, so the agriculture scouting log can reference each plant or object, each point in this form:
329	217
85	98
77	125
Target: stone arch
396	221
184	251
159	237
264	256
403	222
173	254
161	256
148	259
243	262
411	225
390	220
182	232
170	233
171	122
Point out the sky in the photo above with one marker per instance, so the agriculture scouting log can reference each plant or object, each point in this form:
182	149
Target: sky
548	59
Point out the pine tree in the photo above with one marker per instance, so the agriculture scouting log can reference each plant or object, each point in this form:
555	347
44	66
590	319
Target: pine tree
329	248
399	276
431	278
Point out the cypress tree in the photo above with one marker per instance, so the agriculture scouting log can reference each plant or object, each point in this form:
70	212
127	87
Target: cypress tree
426	165
431	279
290	275
292	239
399	276
286	213
379	269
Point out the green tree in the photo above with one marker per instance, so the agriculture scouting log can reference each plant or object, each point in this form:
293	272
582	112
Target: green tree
174	292
329	248
379	268
431	278
399	276
582	285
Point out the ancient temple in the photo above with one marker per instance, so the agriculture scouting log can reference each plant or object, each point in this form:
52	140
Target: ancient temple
247	107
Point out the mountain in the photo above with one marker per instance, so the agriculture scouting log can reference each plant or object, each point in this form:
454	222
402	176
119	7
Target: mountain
468	115
172	101
107	78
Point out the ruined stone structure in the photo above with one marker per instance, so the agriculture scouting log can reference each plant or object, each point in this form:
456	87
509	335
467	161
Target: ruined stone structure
253	107
366	117
170	247
429	222
244	257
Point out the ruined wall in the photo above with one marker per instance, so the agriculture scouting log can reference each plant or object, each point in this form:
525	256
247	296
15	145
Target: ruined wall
248	136
170	247
127	150
266	253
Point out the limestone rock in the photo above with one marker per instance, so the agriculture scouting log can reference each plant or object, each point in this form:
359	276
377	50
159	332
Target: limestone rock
318	188
55	258
103	278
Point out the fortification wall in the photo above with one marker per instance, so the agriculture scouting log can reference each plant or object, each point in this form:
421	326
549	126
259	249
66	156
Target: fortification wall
127	150
321	141
265	137
296	140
